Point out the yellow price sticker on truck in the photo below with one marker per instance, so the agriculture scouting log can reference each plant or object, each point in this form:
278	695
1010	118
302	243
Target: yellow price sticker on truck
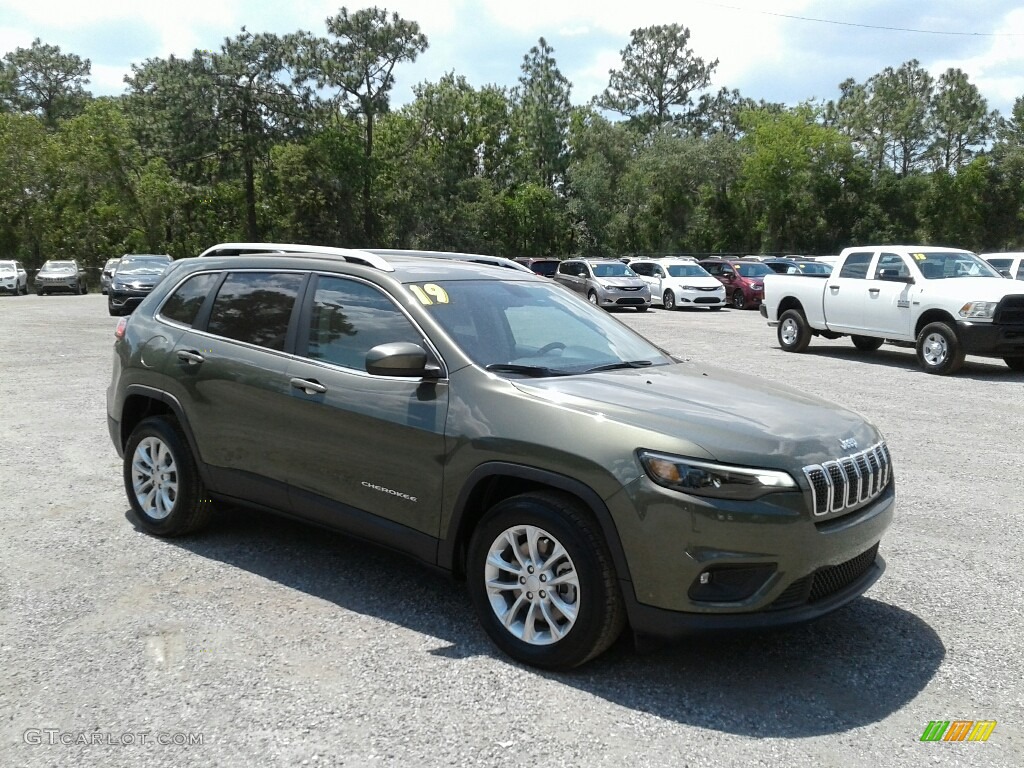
919	256
429	293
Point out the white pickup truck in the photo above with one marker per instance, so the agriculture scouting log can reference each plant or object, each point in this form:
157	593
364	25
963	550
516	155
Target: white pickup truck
945	302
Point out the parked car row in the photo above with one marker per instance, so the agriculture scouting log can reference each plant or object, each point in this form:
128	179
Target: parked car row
13	278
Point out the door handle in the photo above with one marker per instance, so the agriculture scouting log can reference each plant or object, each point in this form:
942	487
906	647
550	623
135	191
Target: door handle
874	290
834	288
190	356
309	386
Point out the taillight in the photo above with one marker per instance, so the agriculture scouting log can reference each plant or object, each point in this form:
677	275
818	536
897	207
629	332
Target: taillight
122	324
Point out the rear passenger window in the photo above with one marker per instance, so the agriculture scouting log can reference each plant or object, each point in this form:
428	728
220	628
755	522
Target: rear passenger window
856	265
255	307
183	305
349	318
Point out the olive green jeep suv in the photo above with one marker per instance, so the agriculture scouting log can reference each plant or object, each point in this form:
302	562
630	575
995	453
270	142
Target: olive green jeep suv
487	421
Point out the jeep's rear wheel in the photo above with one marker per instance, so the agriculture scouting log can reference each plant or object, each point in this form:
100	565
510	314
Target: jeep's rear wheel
162	481
542	581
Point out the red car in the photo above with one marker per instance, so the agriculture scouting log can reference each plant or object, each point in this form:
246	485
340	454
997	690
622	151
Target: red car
743	280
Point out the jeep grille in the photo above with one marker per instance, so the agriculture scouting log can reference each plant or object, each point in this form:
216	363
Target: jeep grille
850	481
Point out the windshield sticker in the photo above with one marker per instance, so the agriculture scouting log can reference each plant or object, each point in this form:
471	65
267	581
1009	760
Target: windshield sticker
919	256
429	293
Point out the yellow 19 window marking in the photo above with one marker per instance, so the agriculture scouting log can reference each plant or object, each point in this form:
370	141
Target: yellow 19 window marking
430	293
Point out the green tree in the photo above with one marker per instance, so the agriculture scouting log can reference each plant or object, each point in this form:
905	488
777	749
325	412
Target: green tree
42	81
961	122
23	185
368	44
660	73
541	119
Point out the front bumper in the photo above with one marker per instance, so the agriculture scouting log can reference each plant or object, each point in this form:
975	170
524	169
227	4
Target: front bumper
991	339
69	284
792	566
125	298
9	286
701	298
624	299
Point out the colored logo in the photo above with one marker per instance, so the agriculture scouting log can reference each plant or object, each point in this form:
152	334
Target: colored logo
958	730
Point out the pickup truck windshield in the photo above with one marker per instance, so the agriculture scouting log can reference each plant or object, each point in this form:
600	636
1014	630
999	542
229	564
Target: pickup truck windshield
939	265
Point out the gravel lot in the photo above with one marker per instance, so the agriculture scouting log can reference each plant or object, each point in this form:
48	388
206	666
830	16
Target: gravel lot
272	643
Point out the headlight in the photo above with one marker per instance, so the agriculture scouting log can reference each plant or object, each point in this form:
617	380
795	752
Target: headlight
702	478
758	286
688	288
979	309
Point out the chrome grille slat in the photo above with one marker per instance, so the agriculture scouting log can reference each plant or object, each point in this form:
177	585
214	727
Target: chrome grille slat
849	481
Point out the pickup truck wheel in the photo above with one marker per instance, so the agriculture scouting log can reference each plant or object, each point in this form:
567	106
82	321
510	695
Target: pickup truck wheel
542	581
669	300
939	350
794	333
867	343
739	301
162	481
1015	363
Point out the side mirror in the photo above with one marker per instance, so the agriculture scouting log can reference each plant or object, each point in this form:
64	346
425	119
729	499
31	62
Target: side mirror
400	358
1005	273
894	276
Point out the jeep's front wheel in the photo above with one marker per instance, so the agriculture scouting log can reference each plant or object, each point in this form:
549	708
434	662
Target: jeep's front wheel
162	481
543	583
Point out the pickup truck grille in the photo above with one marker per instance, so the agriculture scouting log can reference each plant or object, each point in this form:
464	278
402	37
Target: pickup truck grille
1010	310
850	481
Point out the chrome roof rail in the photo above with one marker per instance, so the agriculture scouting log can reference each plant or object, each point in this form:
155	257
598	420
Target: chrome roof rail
358	256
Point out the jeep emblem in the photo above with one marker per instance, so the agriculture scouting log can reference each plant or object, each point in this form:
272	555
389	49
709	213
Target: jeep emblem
849	444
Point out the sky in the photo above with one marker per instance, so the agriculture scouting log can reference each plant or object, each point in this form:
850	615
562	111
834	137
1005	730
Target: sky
786	51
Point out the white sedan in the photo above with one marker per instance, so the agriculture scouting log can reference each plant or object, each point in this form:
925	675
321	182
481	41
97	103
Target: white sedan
680	283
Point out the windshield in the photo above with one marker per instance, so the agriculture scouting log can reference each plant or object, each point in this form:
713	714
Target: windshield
143	265
58	266
687	270
939	265
612	269
754	269
539	328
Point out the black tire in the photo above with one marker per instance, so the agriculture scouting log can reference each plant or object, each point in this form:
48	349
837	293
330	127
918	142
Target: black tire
112	311
83	289
867	343
642	308
185	507
600	613
739	301
592	298
40	292
794	333
1015	363
939	350
714	309
669	300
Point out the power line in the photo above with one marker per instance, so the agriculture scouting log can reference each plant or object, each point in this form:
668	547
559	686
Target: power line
863	26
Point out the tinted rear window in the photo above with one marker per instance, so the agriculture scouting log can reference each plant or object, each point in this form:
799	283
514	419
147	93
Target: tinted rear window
255	307
184	304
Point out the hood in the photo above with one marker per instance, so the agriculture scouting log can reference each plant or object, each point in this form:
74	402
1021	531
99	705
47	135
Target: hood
734	418
621	282
57	271
697	282
971	288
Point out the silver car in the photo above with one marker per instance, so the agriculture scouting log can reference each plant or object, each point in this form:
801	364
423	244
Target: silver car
605	282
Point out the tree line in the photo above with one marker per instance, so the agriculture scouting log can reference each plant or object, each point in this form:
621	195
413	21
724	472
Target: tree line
292	138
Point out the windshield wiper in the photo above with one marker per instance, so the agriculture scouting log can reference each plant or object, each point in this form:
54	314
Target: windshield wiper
623	364
527	370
